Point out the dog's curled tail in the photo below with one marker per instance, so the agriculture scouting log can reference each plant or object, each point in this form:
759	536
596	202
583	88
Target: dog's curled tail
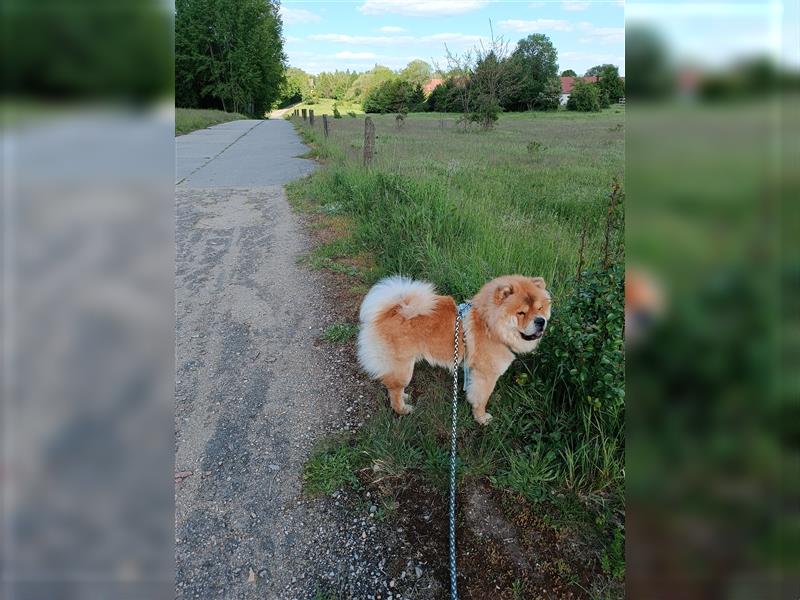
410	298
407	299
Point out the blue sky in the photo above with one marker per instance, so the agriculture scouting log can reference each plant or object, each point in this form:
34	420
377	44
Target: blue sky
324	36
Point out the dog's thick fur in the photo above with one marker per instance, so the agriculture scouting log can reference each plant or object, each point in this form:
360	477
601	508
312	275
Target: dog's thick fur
404	321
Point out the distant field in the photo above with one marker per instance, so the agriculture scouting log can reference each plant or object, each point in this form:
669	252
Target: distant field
530	183
191	119
325	107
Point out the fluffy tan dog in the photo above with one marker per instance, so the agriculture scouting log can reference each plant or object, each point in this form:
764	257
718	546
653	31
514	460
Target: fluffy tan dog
404	321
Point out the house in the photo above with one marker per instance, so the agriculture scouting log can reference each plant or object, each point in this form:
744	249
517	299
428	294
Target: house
431	85
568	82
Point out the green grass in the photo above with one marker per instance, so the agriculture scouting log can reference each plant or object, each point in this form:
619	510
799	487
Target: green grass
458	208
324	106
338	333
191	119
330	468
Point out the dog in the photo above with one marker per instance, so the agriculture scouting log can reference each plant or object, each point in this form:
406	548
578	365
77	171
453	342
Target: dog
405	321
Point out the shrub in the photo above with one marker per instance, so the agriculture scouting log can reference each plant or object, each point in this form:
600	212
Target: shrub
395	96
352	114
336	113
535	147
585	97
486	112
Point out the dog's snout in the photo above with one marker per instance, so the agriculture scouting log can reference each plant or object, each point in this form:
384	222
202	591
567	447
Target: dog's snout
539	322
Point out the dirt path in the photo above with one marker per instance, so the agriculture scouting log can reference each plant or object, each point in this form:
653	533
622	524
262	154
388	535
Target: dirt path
255	389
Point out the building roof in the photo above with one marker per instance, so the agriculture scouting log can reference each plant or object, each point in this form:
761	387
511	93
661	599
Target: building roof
432	85
568	82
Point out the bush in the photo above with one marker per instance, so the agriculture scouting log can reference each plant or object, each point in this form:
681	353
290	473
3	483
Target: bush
336	113
395	96
585	97
352	114
443	98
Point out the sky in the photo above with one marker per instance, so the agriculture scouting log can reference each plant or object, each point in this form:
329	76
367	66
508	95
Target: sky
357	34
716	34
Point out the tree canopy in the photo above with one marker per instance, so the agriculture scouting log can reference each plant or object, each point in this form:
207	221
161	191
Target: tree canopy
228	55
534	63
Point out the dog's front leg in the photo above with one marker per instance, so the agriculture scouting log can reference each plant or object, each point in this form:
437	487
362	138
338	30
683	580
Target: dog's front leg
478	392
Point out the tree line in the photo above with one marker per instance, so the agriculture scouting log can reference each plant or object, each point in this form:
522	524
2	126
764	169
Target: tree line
479	83
228	55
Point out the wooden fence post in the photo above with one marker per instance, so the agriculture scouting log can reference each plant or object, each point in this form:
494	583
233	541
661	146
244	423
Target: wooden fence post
305	114
369	141
311	117
325	124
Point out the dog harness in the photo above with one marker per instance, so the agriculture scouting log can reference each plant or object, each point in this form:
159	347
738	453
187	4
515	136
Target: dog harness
463	311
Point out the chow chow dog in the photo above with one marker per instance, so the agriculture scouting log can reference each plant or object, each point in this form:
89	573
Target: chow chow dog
404	321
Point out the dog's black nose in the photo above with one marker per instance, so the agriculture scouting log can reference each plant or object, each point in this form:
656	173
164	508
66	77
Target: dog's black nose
539	321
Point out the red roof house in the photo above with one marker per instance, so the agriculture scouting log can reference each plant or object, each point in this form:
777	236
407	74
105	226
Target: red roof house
568	82
432	85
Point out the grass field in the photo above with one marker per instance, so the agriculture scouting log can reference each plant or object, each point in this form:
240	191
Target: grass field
191	119
324	106
458	208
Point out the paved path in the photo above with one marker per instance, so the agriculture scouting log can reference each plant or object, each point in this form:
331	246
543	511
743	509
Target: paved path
255	390
240	154
252	391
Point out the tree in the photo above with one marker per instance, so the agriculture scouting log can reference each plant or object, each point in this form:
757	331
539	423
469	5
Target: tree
585	97
533	63
416	72
395	95
228	54
493	81
459	69
569	73
444	97
296	87
550	96
368	80
598	70
612	88
646	55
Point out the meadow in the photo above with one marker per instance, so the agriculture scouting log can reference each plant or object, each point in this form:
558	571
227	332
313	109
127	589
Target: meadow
324	106
458	207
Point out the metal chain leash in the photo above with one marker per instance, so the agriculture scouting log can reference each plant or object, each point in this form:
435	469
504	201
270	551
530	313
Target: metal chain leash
453	586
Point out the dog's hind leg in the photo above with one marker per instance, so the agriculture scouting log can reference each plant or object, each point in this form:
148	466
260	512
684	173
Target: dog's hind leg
396	382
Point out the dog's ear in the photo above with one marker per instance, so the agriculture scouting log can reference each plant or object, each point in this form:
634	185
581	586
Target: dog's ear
539	282
502	292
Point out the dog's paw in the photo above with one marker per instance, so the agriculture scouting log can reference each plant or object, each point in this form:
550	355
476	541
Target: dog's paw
405	409
484	419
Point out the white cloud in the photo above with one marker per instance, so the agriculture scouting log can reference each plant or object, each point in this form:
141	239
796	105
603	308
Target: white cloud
296	16
452	37
421	8
390	29
574	6
603	35
536	25
347	55
537	4
397	40
372	40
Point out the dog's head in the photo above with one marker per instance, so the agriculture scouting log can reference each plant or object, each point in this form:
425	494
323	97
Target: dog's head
516	309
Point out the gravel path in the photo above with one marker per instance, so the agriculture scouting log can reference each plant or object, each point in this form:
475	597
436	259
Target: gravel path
255	390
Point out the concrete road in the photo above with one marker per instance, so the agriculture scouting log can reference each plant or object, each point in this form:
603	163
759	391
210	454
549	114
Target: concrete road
240	154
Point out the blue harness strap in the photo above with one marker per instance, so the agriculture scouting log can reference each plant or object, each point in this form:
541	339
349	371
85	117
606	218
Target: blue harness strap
463	311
